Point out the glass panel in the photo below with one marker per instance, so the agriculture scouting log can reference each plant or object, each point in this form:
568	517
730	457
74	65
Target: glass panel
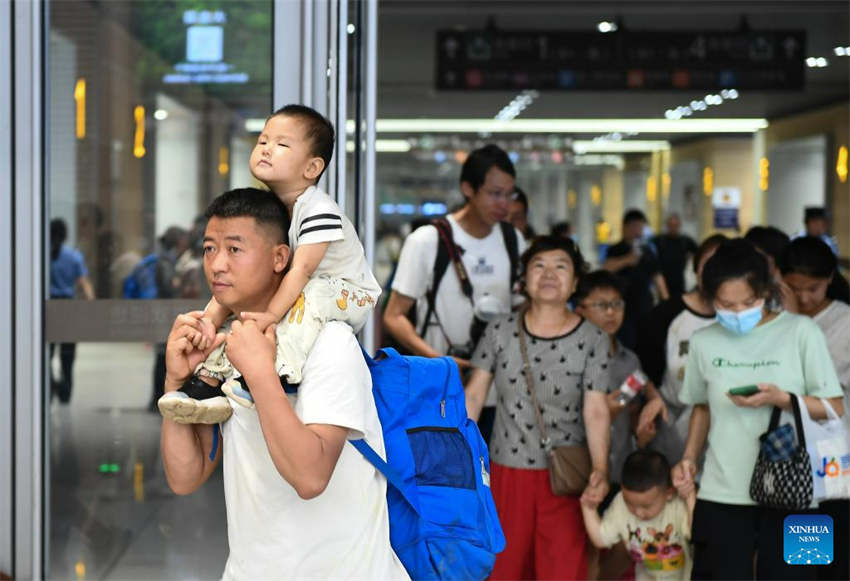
147	105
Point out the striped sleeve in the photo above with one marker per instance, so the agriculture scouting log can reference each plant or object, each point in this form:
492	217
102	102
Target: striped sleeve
321	226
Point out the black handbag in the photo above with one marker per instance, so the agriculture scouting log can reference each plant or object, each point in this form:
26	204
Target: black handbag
782	477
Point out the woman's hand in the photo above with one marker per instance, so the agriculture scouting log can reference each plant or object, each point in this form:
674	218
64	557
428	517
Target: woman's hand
683	477
597	489
615	406
768	395
654	407
249	350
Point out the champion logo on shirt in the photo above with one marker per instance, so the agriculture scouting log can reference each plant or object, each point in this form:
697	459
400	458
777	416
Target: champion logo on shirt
721	362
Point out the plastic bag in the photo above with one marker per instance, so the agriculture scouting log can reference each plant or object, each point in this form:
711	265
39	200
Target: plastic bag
828	444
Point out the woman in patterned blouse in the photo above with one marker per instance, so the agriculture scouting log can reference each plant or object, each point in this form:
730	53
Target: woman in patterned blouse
568	357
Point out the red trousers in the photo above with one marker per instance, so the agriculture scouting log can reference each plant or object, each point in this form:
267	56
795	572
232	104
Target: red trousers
545	533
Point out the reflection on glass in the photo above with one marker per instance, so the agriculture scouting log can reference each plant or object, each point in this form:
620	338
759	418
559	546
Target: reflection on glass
147	103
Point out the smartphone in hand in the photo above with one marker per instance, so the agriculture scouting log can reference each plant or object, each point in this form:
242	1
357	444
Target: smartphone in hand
744	390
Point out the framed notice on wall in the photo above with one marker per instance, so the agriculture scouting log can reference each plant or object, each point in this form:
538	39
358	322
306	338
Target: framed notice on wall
727	204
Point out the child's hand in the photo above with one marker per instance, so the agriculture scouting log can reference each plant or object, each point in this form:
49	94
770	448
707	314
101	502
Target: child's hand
650	411
645	433
263	320
250	350
683	477
206	334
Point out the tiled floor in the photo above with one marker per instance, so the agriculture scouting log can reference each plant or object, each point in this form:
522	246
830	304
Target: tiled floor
126	523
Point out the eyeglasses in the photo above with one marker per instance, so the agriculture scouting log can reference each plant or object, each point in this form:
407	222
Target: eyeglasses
603	306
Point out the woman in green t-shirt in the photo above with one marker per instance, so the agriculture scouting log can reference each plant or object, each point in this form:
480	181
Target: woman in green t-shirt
782	354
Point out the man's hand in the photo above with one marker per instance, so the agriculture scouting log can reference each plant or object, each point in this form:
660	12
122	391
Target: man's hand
645	434
597	489
263	320
683	477
249	350
462	364
181	355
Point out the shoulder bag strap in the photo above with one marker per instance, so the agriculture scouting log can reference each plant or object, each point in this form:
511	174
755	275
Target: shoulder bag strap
529	380
798	420
512	246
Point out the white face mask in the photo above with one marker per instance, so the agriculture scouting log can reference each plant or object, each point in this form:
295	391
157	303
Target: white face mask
741	322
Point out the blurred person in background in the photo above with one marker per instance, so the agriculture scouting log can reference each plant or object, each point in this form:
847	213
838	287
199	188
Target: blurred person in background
518	213
816	225
562	229
568	361
674	249
771	242
810	269
68	277
637	264
665	334
784	355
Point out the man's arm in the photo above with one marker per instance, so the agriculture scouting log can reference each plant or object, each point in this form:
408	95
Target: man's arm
661	285
617	263
304	455
684	472
186	448
397	323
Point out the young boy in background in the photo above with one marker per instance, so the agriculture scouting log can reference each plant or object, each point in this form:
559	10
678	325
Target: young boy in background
328	279
649	517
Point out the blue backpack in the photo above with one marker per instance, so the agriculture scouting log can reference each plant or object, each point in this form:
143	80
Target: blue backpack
141	282
443	522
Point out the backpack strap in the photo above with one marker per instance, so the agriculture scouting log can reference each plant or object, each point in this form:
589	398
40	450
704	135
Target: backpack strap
512	246
393	477
447	251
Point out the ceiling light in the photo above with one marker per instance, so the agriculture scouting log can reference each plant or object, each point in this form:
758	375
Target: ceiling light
160	114
816	62
606	26
350	28
636	146
840	51
720	125
822	62
385	146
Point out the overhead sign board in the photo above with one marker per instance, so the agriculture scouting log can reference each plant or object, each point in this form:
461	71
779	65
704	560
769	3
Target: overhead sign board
624	60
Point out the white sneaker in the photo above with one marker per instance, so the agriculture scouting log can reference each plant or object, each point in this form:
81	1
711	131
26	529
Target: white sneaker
179	407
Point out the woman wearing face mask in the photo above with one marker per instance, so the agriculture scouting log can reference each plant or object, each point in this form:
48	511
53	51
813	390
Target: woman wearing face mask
783	354
810	270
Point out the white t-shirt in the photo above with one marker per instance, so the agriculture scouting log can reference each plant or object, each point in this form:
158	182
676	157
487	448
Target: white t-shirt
317	218
342	533
487	264
834	321
679	335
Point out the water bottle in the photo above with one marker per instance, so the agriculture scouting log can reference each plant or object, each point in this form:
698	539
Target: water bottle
632	386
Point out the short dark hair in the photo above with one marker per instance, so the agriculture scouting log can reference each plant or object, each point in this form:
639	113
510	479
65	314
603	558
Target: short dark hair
633	215
320	131
262	206
561	229
547	243
809	256
519	196
814	213
644	470
737	259
596	280
769	239
709	244
479	162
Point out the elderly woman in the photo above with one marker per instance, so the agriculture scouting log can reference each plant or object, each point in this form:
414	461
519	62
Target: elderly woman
784	355
568	359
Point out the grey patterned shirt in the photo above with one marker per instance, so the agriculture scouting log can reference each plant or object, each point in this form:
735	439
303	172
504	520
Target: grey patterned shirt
563	367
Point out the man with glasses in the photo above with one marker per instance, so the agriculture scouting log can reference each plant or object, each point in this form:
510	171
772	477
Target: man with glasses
456	274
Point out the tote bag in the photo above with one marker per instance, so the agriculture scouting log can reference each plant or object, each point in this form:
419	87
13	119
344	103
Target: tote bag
828	444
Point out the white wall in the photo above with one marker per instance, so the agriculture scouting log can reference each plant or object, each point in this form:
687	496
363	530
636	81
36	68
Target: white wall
797	179
62	170
634	190
686	196
177	163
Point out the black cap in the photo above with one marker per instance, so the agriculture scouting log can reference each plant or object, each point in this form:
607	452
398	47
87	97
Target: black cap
814	212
